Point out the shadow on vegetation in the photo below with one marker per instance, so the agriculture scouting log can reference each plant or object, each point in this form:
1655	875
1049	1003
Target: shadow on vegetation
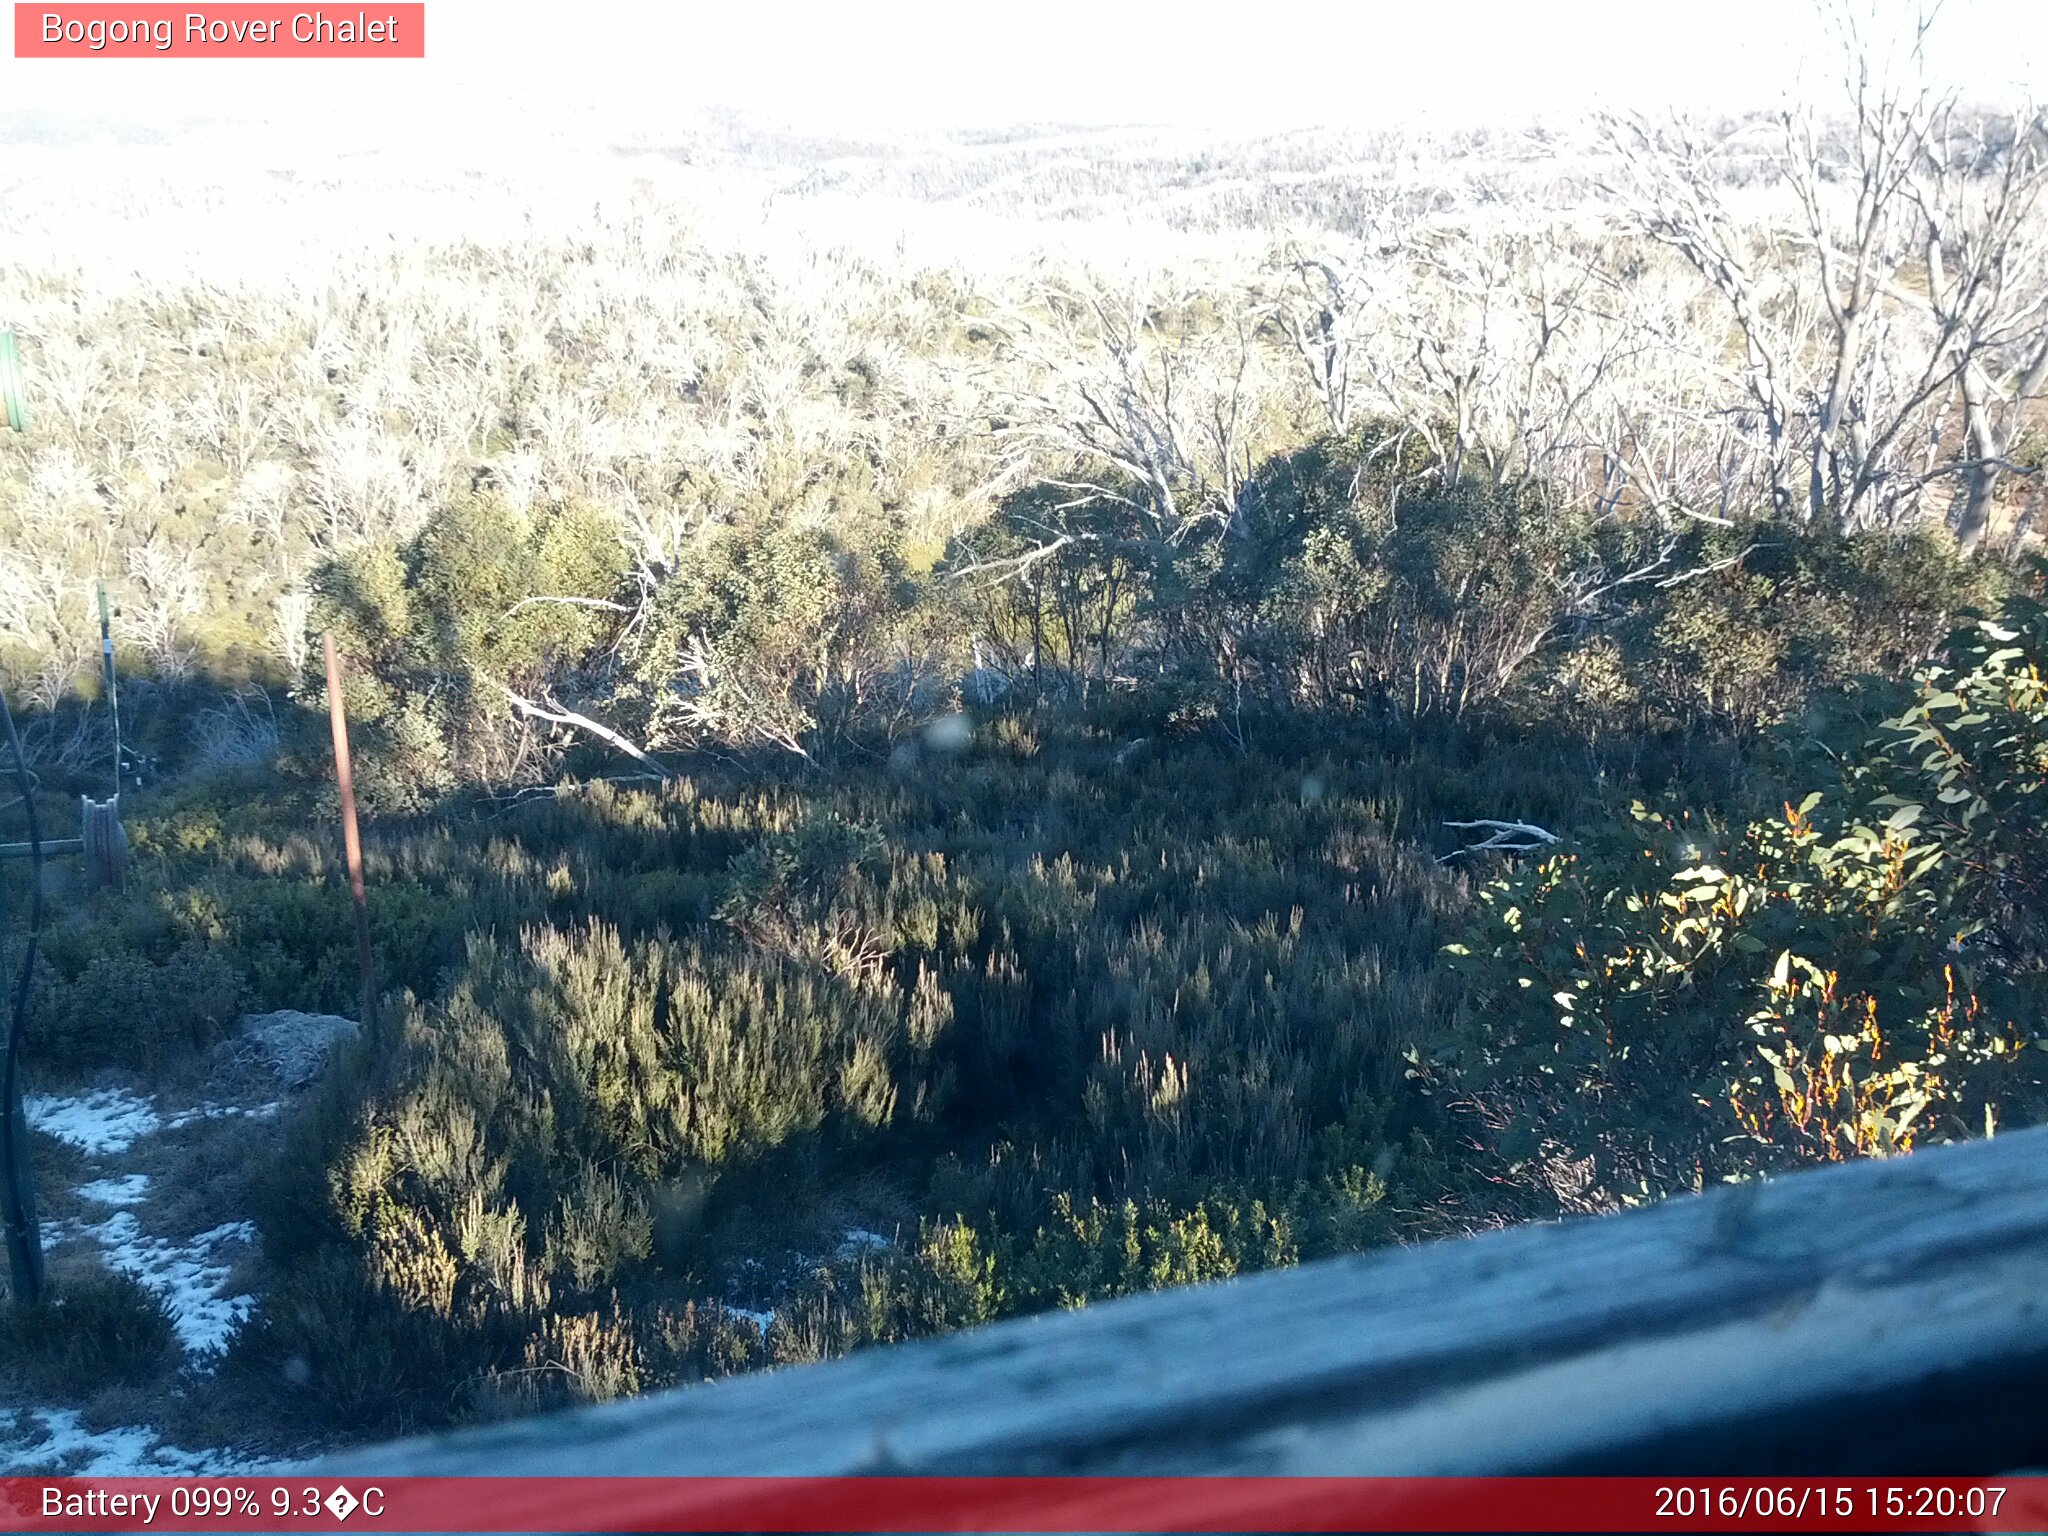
1135	979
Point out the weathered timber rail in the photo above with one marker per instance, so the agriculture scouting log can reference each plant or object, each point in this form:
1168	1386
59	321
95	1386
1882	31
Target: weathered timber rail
1880	1318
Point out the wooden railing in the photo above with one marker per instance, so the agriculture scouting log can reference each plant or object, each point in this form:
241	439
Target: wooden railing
1879	1318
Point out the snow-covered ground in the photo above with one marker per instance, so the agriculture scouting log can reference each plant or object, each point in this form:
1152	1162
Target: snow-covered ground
109	1120
185	1117
129	1189
761	1320
56	1438
191	1276
105	1120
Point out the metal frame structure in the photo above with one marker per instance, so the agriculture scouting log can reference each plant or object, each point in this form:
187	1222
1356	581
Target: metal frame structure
17	1187
104	844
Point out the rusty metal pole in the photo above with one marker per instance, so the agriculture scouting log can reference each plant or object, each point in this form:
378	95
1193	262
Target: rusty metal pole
351	841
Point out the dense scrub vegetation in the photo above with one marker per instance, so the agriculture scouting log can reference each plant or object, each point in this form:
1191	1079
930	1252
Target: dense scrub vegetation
1688	995
895	800
1050	983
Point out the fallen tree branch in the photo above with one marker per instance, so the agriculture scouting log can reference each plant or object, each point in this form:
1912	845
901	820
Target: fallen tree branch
1503	838
561	716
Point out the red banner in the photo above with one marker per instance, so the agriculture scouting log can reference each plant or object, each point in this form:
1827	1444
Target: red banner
1017	1504
223	31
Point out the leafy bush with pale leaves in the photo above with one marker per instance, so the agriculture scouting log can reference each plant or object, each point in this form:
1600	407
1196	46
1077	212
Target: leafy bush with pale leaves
1676	999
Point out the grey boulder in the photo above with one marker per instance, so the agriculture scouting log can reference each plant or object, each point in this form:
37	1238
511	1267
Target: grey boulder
293	1045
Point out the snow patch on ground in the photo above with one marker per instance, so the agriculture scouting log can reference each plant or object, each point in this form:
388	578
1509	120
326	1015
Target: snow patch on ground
105	1120
56	1440
188	1277
129	1189
185	1117
761	1320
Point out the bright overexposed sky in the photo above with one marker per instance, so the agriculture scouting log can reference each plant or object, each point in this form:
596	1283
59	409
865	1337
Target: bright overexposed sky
520	66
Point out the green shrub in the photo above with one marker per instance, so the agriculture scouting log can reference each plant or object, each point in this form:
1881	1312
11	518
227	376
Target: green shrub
1679	998
1779	617
90	1331
123	1009
781	634
482	600
328	1347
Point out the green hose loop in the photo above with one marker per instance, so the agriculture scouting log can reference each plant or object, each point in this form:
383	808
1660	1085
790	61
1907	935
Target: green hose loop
13	397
